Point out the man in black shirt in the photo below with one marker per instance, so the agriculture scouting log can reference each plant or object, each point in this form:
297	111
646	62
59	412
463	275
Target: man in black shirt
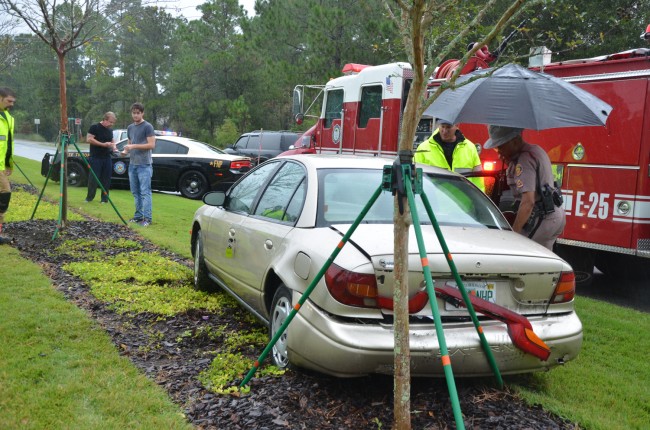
102	145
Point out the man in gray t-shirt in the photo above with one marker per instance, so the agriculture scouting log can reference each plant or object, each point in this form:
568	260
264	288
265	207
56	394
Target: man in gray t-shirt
142	141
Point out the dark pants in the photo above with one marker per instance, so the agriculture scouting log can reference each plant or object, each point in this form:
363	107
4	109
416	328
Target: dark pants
103	168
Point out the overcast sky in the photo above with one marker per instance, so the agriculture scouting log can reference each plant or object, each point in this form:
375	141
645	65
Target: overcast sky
187	8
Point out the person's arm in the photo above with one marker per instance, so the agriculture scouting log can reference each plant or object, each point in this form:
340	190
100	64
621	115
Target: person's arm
525	210
151	143
90	138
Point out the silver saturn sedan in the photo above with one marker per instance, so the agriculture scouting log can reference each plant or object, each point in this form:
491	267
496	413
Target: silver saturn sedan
268	236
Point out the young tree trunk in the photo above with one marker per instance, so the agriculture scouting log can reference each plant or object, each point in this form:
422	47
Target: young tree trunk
402	353
402	381
64	129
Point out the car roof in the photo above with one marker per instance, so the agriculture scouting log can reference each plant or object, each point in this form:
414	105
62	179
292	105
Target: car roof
198	148
255	132
330	161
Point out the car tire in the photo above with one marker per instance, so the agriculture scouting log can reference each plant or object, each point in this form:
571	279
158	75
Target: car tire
193	185
77	175
280	309
202	281
582	262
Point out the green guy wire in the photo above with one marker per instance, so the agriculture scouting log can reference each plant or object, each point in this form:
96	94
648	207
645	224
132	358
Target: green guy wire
446	362
47	178
21	171
90	169
463	291
312	285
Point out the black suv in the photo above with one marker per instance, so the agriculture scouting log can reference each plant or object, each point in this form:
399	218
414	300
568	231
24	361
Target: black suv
262	145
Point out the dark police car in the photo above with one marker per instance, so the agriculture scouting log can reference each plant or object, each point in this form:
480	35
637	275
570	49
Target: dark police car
179	164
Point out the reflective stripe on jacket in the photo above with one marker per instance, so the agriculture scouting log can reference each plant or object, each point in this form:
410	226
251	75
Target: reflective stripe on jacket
465	157
6	130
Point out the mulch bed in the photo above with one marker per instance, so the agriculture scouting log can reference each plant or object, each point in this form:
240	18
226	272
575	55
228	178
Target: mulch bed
297	400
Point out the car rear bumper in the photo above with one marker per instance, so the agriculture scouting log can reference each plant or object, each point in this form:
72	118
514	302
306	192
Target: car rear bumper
340	348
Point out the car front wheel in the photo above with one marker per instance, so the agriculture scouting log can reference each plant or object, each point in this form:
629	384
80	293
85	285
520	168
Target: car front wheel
202	281
280	309
193	184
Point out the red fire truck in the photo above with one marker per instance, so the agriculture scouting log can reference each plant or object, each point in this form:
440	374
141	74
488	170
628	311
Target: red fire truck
604	172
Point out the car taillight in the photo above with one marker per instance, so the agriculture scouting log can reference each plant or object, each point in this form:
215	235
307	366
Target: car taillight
236	165
565	289
351	288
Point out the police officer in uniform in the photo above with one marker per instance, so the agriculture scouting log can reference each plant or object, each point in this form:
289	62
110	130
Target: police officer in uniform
7	100
449	149
539	214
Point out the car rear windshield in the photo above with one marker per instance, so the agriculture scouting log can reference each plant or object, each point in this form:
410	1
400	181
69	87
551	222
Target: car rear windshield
454	200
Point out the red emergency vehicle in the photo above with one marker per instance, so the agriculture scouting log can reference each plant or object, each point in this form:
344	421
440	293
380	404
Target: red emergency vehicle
604	172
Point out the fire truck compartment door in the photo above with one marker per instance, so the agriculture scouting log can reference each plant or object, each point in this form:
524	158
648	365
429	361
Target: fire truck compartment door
600	207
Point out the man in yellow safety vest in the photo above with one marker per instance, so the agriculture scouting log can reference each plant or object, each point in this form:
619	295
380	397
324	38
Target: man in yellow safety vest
449	149
7	100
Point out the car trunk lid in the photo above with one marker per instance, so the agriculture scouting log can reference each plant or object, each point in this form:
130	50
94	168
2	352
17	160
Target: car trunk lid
500	266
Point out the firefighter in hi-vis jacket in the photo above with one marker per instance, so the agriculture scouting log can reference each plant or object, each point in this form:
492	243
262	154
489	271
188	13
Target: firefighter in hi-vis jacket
7	100
449	149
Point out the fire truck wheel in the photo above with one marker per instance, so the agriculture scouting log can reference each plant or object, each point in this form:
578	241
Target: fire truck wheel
77	175
623	266
582	262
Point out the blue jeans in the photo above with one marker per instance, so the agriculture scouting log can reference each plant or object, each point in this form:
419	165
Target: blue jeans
140	184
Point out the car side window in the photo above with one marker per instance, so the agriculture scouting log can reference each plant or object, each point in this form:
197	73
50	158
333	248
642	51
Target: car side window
370	104
283	198
270	141
253	143
241	143
242	196
333	106
167	147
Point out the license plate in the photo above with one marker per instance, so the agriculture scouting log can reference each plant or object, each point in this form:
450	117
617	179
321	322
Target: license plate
481	289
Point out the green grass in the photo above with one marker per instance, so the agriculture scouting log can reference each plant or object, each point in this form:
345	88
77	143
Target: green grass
58	370
172	214
606	387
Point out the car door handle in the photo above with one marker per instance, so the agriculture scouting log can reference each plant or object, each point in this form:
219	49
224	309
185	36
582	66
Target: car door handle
268	244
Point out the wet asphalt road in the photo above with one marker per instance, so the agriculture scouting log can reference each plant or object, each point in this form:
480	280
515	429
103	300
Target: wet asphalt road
34	150
634	294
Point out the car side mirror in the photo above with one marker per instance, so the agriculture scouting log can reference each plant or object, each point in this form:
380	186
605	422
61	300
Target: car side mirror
214	198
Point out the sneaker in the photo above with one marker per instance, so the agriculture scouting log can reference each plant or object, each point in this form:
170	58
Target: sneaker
87	201
5	240
136	220
145	222
102	203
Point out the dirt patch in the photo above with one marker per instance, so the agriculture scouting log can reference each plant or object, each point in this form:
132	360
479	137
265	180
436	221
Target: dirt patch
297	400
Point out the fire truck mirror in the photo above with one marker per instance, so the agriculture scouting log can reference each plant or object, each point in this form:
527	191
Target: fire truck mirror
297	102
299	118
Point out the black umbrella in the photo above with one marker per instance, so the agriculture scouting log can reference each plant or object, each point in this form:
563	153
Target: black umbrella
517	97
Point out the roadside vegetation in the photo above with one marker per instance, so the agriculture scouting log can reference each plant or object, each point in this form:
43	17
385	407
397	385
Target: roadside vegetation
53	355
